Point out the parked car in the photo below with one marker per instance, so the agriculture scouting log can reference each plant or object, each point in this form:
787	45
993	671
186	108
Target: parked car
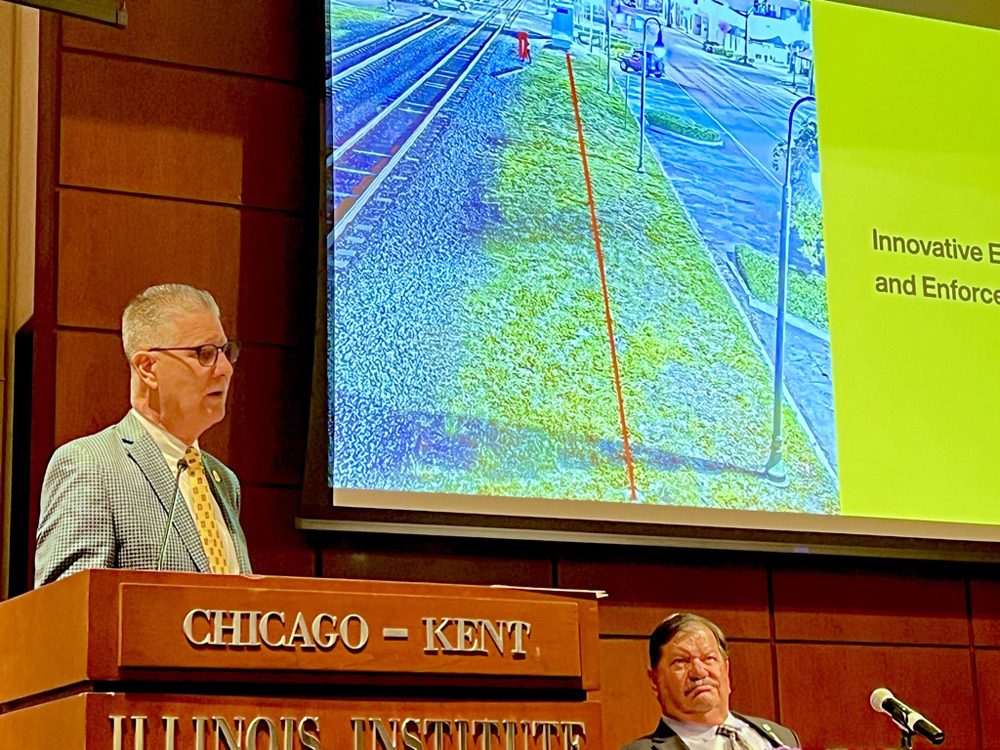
633	64
714	47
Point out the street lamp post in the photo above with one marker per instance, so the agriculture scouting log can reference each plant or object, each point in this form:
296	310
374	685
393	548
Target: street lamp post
774	469
746	38
592	4
659	52
619	17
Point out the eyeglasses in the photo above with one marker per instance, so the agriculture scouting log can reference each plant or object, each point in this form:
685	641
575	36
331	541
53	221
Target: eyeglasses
207	354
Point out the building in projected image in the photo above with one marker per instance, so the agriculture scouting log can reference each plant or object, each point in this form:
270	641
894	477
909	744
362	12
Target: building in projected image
528	300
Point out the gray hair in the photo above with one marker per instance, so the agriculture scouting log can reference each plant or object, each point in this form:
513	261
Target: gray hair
149	314
681	622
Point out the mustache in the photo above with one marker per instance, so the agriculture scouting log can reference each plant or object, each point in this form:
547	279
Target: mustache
695	684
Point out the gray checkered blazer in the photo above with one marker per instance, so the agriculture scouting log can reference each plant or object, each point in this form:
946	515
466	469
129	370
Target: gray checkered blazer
105	502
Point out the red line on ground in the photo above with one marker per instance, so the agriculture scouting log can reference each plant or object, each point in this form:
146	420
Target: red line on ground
604	281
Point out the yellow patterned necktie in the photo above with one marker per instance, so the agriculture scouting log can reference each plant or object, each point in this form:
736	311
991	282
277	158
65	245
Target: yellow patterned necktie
204	513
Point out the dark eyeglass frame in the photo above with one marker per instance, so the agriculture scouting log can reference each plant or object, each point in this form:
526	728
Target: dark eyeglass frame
206	354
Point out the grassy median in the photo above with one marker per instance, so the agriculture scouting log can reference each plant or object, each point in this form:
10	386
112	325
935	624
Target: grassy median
696	388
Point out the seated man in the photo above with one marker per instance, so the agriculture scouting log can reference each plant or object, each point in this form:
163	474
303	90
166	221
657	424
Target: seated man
107	497
689	672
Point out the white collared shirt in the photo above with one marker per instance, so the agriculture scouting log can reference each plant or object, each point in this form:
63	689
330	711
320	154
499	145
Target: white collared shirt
173	451
706	737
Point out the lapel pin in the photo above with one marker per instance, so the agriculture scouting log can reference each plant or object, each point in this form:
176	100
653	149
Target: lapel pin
216	476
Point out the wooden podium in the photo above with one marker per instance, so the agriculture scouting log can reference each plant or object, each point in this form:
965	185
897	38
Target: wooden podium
132	660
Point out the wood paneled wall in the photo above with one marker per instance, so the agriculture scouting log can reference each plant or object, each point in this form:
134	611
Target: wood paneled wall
810	637
184	149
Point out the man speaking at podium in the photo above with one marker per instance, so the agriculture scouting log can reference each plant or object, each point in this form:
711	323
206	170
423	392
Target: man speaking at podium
106	497
689	672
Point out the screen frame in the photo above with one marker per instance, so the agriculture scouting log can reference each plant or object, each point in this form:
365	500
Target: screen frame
336	510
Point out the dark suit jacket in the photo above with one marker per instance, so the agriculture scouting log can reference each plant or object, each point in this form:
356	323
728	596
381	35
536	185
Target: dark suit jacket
105	502
664	738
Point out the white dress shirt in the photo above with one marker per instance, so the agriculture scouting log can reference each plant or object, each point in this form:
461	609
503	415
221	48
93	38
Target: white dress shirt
173	451
706	736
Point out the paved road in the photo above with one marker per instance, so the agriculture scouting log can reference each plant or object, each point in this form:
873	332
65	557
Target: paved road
749	108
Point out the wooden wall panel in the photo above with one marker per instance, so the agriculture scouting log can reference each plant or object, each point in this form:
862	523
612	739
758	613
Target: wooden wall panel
258	38
641	594
985	605
111	247
398	558
988	693
858	606
752	678
91	384
267	515
156	130
824	692
629	704
277	283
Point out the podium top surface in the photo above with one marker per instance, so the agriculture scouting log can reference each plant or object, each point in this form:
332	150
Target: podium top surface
138	626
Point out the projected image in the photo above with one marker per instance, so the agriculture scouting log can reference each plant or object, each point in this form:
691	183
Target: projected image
531	296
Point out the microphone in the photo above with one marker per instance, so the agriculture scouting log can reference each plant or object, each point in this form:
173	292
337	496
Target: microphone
905	717
181	466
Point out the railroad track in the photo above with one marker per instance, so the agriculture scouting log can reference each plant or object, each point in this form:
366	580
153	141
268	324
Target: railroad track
363	162
357	57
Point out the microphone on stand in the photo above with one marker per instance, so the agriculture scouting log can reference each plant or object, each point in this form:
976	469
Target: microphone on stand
906	718
181	467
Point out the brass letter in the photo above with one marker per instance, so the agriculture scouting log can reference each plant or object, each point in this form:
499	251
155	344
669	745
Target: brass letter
200	730
265	623
253	629
546	727
309	740
362	639
272	733
116	732
236	628
222	729
139	726
170	732
466	631
495	635
382	735
300	632
437	727
519	630
328	640
189	627
488	727
510	734
572	732
437	634
358	725
288	732
463	734
411	740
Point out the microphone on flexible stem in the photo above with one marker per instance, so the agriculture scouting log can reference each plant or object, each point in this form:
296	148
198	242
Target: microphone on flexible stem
181	466
905	717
